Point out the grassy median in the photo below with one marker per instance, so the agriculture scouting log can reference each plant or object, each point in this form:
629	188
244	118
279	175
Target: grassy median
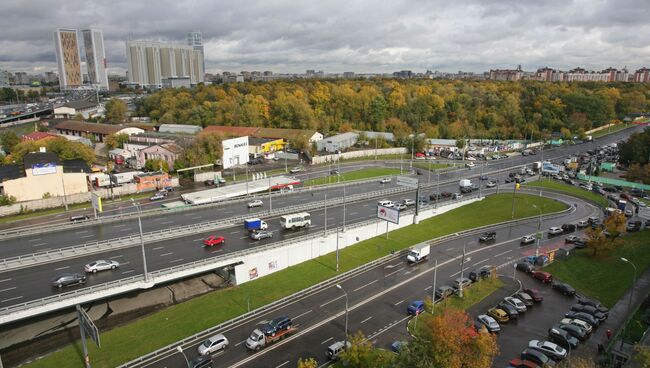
605	278
353	175
568	189
174	323
610	130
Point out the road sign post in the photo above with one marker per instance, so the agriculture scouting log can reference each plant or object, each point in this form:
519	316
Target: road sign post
86	326
414	183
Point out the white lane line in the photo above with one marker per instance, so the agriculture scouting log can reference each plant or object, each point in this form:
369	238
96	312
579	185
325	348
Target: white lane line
38	244
396	271
156	248
226	211
199	239
366	320
300	315
10	299
7	289
5	280
126	229
176	260
500	254
166	254
331	301
233	232
167	222
243	237
241	342
366	205
125	263
87	236
129	271
354	213
196	217
398	303
114	257
428	288
62	268
479	262
449	249
282	365
35	239
120	225
325	341
368	284
81	231
455	273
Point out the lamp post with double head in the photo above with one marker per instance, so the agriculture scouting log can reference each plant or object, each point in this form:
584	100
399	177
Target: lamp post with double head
629	304
345	343
144	256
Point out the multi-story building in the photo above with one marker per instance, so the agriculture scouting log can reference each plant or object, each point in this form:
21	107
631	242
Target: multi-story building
50	77
95	57
21	78
507	74
195	39
582	75
150	62
642	75
68	59
4	78
548	75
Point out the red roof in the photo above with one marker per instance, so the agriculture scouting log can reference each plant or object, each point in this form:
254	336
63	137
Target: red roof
231	130
37	136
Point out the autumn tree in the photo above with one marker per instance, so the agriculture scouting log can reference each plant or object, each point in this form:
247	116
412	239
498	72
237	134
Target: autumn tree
113	141
206	149
156	165
361	354
307	363
601	242
116	111
63	148
9	140
642	356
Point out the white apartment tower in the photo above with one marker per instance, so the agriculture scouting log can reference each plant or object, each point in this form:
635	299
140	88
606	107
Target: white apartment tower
95	57
195	39
68	58
150	62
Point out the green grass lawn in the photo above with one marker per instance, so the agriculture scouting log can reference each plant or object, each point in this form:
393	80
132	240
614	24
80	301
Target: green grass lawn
471	296
20	129
174	323
611	130
425	166
605	278
568	189
353	175
636	327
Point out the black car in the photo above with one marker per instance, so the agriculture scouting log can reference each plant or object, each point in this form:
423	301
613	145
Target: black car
466	190
562	337
580	244
509	309
568	228
525	267
201	361
564	288
601	308
488	236
69	279
508	180
583	317
633	226
334	172
537	357
208	182
482	273
434	196
443	292
276	325
589	310
575	331
77	218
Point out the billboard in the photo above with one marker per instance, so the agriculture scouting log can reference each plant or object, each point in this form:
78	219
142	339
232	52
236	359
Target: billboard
551	168
235	152
44	169
388	214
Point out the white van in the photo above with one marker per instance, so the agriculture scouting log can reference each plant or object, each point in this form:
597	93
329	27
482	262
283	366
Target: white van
386	203
295	220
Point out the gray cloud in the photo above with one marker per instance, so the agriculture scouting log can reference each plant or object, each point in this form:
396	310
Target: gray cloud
338	35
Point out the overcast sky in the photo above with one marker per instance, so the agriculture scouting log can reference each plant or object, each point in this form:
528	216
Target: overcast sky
346	35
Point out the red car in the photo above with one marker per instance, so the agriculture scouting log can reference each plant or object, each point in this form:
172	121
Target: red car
542	276
419	154
535	294
214	240
518	363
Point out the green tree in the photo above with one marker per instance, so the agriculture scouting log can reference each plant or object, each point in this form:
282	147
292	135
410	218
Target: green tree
361	354
206	149
9	140
116	140
116	111
156	165
307	363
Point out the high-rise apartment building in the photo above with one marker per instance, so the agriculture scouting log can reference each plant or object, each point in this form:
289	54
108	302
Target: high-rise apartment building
150	62
67	57
95	57
195	39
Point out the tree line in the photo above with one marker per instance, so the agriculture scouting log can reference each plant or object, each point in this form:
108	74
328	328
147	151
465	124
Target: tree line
439	109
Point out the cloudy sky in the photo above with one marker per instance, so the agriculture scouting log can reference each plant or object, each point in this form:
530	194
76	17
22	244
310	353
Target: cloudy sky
346	35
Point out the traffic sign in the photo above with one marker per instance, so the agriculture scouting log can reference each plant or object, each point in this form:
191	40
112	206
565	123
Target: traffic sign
405	181
88	326
388	214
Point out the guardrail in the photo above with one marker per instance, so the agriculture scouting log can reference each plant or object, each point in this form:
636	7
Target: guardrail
171	348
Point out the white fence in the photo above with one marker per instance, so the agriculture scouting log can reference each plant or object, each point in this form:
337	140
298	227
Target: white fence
356	154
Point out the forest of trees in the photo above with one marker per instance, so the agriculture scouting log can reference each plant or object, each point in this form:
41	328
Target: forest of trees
439	109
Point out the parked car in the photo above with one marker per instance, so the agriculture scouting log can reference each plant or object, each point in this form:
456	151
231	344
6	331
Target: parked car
489	323
571	239
592	320
276	325
580	243
482	273
208	182
416	307
554	230
443	292
593	311
296	169
509	309
101	265
577	322
457	196
488	236
518	304
549	349
396	346
542	276
586	301
518	363
525	267
537	357
498	314
575	331
215	343
525	298
582	224
69	279
464	281
261	234
535	294
255	203
561	337
213	240
564	288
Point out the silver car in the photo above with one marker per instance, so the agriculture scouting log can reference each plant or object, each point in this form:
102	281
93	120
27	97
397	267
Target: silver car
215	343
258	235
101	265
255	203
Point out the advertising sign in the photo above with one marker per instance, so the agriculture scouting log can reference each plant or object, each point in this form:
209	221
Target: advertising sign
550	168
44	169
235	152
96	202
388	214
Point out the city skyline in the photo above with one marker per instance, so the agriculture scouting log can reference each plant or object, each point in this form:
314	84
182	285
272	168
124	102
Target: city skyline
283	36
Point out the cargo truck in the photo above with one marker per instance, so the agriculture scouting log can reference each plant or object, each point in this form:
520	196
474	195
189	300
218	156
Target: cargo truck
255	224
465	183
258	339
418	253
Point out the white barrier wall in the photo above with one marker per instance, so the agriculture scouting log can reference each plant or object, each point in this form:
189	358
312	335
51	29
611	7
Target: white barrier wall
266	262
355	154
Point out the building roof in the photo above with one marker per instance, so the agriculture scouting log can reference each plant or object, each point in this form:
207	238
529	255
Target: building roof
341	137
180	128
254	141
37	136
80	126
76	165
170	147
272	133
34	158
80	105
8	172
231	130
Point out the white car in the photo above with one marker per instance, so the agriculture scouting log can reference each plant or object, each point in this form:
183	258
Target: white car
490	184
489	322
577	322
583	223
554	230
518	304
457	196
255	203
384	180
528	239
409	202
296	169
101	265
550	349
470	158
400	206
469	165
215	343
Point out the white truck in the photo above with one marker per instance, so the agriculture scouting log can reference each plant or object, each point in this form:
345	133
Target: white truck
537	166
464	183
418	253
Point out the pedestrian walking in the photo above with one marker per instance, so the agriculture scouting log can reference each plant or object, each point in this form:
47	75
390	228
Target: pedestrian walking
608	333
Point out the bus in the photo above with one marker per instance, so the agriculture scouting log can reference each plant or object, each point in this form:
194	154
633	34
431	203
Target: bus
295	220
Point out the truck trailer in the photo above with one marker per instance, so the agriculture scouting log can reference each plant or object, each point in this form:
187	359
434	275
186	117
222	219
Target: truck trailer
255	224
418	253
258	339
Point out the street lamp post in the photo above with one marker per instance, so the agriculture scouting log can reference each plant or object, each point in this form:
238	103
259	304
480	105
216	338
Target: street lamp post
343	207
180	350
412	147
345	344
629	304
433	291
539	227
144	256
325	228
462	264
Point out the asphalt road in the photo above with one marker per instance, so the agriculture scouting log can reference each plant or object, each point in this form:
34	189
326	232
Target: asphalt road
377	298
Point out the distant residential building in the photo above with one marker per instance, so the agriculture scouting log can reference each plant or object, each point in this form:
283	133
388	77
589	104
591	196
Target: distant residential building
21	78
71	109
549	75
348	75
95	58
150	62
50	77
4	78
507	74
615	75
403	74
176	82
167	152
582	75
195	39
68	60
642	75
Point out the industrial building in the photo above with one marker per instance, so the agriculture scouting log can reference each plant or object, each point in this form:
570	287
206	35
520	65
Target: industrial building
337	143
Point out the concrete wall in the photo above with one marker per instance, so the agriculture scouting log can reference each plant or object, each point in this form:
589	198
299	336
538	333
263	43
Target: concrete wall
264	263
200	177
355	154
33	187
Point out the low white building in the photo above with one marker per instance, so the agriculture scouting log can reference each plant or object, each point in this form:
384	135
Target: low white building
337	142
235	152
71	109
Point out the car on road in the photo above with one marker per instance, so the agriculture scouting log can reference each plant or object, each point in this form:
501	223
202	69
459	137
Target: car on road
525	298
396	346
629	213
488	236
386	203
77	218
469	165
69	279
416	307
521	307
334	172
535	294
577	322
255	203
554	230
443	292
201	361
101	265
582	224
215	343
296	169
490	184
498	314
601	308
561	337
549	349
525	267
568	228
571	239
208	182
580	244
213	240
261	234
157	197
483	178
482	273
589	310
384	180
593	220
489	322
276	325
400	206
457	196
592	320
537	357
408	202
334	351
542	276
564	288
528	239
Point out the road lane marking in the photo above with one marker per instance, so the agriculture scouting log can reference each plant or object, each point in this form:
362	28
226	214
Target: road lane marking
120	225
199	239
87	236
176	260
241	342
62	268
38	244
370	283
196	217
428	288
114	257
81	231
398	303
394	272
243	237
455	273
7	289
215	251
331	301
126	229
366	320
157	248
35	239
479	262
354	213
500	254
325	341
10	299
5	280
300	315
282	365
129	271
167	222
234	232
166	254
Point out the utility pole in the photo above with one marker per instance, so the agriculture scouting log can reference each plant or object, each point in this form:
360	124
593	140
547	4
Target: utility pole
462	264
337	249
270	203
343	210
144	256
325	229
433	291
